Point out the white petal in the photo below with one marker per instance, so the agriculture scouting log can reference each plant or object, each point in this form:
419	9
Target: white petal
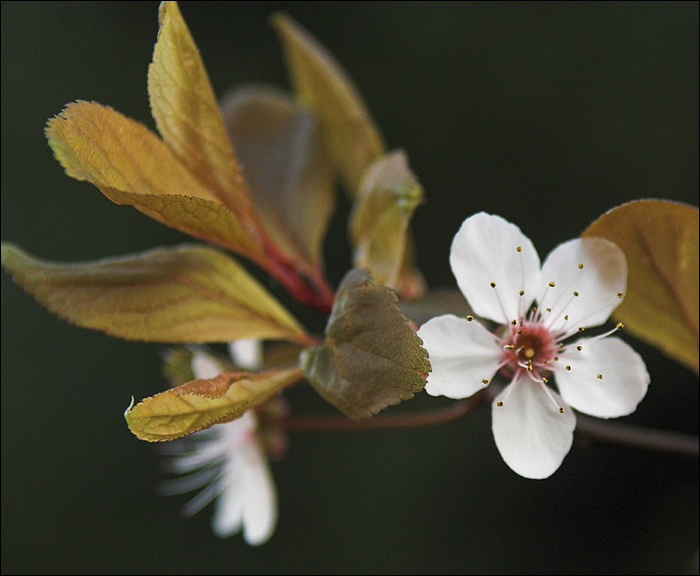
461	354
249	499
246	353
532	436
598	283
484	251
205	365
624	383
260	506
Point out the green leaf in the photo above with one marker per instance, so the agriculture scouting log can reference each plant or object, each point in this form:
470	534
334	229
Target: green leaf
322	85
660	240
131	165
182	294
380	217
201	403
371	358
188	117
288	172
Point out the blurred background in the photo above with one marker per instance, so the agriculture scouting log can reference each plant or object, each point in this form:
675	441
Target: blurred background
546	113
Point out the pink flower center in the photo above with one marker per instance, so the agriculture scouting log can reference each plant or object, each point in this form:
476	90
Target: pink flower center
529	346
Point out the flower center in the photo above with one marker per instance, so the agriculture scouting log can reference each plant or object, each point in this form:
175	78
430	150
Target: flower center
530	346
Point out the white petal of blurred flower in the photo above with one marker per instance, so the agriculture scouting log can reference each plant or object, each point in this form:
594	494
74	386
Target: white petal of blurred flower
538	311
228	461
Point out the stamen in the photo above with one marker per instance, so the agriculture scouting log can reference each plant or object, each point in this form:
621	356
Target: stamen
522	292
579	348
484	381
470	318
581	328
499	403
552	284
599	376
580	266
514	322
575	293
619	326
498	297
568	367
549	394
620	294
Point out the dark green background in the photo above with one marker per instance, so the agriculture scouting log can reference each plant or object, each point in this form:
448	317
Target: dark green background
546	113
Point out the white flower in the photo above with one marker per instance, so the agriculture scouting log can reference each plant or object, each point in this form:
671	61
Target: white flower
230	460
538	311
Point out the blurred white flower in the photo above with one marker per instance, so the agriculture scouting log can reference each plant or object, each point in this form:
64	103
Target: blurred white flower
538	311
228	461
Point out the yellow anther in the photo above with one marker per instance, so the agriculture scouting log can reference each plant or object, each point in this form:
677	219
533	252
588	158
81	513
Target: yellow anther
580	266
575	293
551	284
599	376
620	326
470	318
514	322
561	409
620	294
493	284
519	248
579	348
499	403
568	367
522	292
581	328
484	381
545	380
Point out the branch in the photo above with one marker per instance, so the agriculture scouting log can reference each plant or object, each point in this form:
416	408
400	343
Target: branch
637	436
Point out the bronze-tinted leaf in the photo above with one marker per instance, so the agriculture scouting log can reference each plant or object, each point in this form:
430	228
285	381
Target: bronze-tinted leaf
187	114
660	240
322	85
131	165
182	294
288	171
201	403
372	358
379	223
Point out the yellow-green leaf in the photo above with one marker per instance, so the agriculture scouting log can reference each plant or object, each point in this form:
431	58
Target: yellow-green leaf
388	195
322	85
187	114
201	403
411	283
660	240
131	165
371	358
182	294
288	171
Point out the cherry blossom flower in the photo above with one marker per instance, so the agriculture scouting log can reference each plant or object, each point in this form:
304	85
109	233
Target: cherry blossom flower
229	460
538	312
